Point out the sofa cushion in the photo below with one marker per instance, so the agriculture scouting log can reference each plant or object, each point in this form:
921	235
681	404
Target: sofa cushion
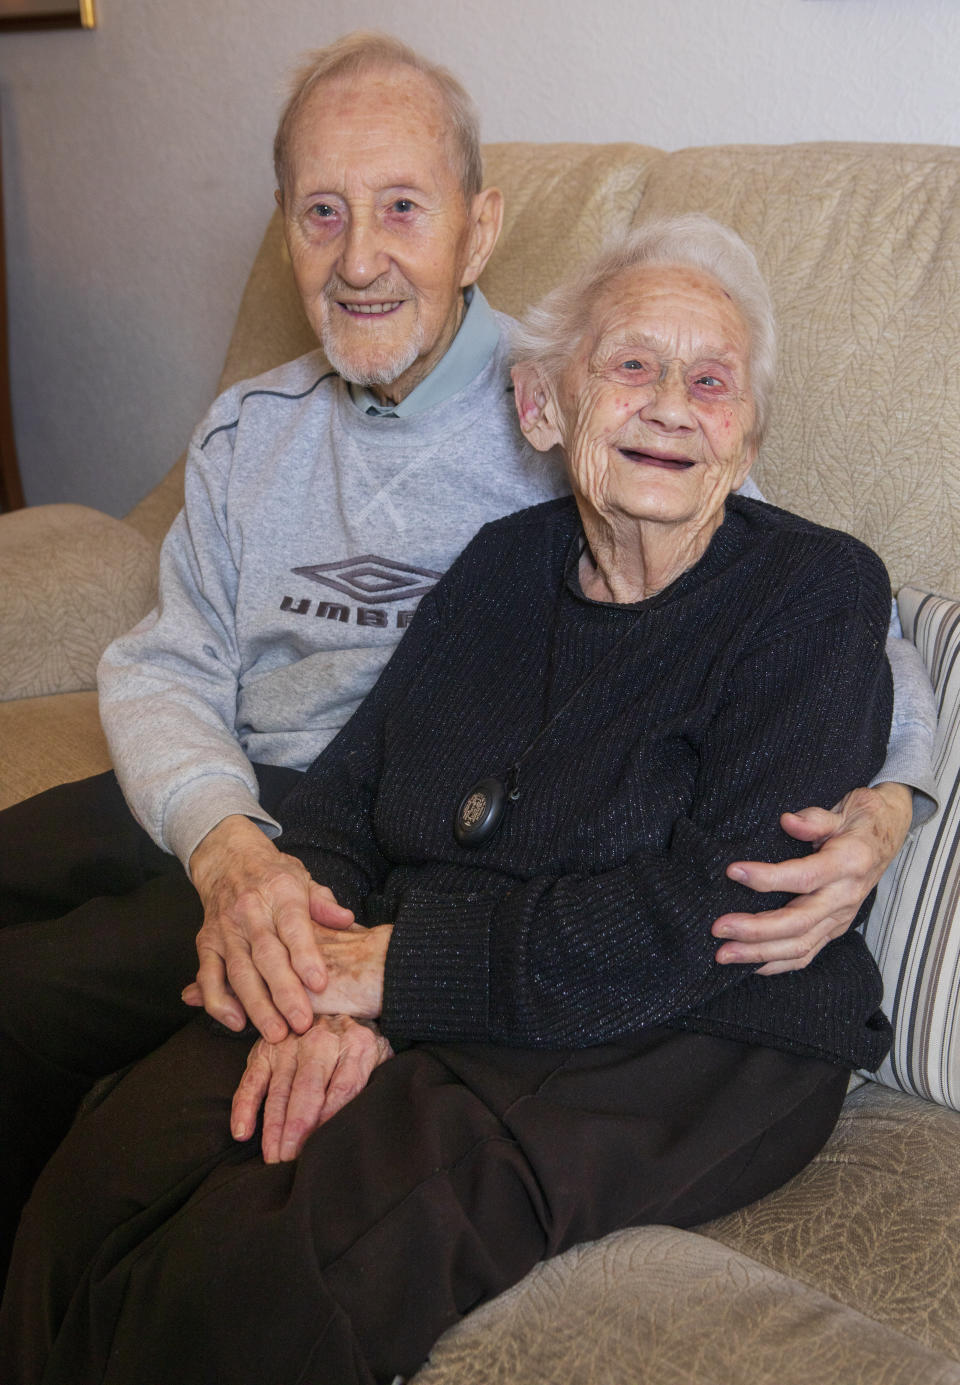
668	1307
71	580
873	1220
914	928
49	740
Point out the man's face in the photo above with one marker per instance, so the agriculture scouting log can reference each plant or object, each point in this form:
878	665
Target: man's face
381	237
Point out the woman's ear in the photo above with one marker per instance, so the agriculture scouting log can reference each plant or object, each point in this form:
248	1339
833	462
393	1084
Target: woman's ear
536	407
746	463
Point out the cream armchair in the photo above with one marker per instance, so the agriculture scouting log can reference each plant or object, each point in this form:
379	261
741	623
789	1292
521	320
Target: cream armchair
849	1273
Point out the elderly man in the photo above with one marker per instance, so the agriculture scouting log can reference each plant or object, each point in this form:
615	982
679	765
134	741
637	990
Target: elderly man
320	505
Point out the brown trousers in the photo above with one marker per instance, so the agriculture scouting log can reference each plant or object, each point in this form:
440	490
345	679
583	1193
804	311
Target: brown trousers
97	929
155	1249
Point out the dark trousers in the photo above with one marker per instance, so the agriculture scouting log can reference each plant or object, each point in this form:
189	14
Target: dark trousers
156	1249
97	929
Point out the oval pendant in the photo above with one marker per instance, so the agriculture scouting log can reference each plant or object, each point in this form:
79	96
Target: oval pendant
480	812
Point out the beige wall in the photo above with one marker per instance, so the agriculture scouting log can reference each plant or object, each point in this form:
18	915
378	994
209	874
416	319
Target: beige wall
137	178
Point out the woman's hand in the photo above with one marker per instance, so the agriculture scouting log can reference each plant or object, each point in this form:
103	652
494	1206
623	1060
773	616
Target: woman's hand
354	959
303	1081
854	845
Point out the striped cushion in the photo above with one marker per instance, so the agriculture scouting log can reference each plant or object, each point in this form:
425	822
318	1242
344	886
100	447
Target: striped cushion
914	929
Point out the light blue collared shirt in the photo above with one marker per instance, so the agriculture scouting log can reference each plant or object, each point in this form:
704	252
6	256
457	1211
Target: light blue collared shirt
477	338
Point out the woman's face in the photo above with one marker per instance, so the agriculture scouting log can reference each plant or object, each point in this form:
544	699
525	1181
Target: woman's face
656	414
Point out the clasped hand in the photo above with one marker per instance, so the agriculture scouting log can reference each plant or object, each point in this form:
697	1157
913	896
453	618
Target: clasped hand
305	1078
278	947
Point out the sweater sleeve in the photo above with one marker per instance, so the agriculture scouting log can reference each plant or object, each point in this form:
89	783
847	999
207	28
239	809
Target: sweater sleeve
909	758
168	689
913	729
579	960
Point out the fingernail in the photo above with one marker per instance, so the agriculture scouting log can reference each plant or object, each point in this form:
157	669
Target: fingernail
737	873
315	979
240	1132
722	930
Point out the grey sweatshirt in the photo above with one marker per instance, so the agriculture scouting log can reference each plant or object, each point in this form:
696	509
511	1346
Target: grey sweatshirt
308	535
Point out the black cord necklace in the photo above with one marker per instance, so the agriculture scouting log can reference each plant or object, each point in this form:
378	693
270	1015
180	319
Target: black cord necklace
482	808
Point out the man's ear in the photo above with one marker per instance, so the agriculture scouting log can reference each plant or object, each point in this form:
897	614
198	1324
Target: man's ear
486	218
536	408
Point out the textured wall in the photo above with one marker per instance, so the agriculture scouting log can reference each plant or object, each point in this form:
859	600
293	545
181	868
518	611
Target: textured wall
137	180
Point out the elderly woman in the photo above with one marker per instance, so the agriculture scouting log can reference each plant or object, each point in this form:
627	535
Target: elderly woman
607	700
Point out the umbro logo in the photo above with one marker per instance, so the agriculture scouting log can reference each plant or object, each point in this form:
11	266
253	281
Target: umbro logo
372	579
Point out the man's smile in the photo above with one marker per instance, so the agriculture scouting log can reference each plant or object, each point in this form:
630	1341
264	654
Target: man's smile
370	309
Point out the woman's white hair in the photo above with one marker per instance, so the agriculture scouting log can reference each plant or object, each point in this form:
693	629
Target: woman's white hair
367	51
550	333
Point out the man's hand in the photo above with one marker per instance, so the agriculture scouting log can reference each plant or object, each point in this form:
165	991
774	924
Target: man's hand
306	1079
258	948
854	845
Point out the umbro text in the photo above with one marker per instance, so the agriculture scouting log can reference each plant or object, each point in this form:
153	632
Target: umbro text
335	610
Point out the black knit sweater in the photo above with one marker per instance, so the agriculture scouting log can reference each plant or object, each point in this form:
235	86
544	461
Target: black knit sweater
755	683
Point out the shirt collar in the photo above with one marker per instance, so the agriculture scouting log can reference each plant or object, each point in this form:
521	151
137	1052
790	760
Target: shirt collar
477	338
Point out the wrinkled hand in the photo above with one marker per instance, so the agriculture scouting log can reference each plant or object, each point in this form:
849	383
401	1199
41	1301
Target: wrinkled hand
354	959
258	950
303	1081
854	845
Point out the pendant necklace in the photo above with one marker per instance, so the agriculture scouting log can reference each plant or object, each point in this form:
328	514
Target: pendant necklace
482	808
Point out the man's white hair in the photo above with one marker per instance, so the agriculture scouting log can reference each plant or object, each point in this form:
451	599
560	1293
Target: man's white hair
368	51
550	333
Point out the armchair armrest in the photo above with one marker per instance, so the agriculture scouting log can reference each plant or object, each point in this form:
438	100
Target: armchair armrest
71	580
